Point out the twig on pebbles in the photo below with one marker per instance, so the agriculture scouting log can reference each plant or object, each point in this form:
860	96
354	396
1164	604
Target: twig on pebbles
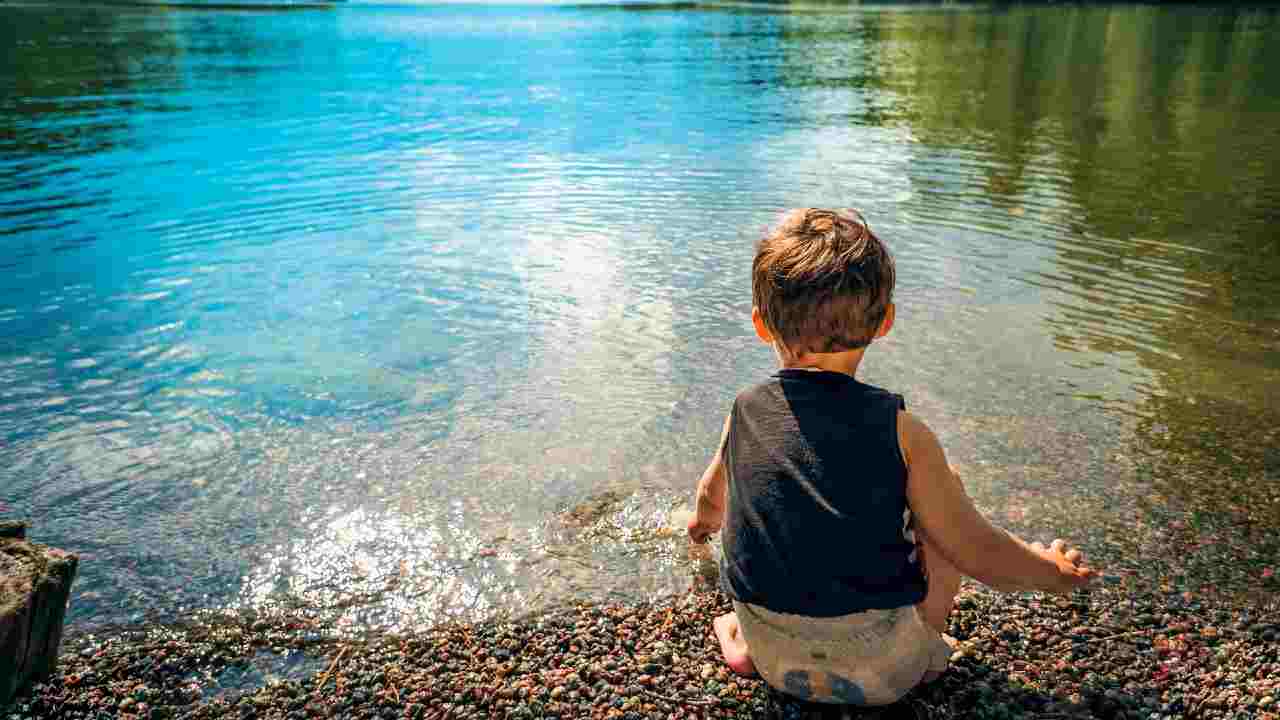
325	678
1117	636
677	701
1108	638
1269	617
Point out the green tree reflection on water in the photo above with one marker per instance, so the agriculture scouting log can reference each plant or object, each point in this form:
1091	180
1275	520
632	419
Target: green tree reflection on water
1148	139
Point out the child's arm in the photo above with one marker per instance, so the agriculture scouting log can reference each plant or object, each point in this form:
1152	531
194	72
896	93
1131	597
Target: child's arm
980	550
709	502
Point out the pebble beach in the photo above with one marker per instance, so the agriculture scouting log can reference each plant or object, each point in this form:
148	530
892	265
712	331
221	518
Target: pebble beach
1103	653
362	352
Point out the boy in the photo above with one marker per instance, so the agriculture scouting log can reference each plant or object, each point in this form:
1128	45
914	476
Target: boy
845	530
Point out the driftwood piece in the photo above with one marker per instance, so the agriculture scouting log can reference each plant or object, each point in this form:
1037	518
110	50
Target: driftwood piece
35	583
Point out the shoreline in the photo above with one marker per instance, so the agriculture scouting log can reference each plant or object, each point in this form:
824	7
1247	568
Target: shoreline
1108	653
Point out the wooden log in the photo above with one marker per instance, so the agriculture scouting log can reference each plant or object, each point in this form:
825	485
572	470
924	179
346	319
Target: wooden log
35	584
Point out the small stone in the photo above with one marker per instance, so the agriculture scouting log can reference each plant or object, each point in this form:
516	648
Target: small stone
707	671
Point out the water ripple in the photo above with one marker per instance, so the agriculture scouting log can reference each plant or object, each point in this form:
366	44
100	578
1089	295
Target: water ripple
381	295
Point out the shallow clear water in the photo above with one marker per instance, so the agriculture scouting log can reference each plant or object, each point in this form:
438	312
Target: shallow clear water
426	311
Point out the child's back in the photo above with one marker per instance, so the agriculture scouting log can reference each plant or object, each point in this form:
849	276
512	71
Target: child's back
845	530
820	524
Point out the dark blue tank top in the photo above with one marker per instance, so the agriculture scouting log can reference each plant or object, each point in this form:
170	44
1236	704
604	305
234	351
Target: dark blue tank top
817	521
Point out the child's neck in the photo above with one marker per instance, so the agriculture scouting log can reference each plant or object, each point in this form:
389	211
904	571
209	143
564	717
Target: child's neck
842	362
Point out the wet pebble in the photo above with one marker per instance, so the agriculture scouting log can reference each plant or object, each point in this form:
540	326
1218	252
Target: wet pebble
1102	655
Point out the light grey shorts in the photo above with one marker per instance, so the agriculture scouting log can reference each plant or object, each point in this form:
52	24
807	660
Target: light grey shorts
867	658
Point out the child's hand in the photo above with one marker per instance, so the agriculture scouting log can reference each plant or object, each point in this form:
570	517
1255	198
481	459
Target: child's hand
1072	572
689	519
703	525
709	501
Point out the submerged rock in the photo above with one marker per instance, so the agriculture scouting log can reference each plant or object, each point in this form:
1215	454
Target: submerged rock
593	508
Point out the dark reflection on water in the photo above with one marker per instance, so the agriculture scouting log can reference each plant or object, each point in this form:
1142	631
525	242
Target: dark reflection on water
427	311
1141	145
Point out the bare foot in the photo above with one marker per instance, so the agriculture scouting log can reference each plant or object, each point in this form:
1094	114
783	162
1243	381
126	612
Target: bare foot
733	646
931	675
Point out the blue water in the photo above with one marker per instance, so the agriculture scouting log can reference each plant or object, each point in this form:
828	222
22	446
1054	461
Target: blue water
365	300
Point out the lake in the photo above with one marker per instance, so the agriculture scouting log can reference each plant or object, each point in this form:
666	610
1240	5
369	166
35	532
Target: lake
407	313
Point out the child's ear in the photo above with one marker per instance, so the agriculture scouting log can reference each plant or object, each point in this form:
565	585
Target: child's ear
887	324
762	332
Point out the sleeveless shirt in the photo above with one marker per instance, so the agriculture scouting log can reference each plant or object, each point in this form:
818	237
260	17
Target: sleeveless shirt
817	521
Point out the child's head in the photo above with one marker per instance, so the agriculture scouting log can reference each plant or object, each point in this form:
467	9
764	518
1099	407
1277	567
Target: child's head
822	282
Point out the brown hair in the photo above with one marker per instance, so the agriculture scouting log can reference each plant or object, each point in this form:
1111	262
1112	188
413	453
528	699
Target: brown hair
822	281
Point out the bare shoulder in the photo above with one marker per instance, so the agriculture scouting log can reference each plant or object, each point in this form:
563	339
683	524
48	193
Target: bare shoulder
914	436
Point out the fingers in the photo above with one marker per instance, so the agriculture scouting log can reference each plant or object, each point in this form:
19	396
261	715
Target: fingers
1074	556
696	530
1075	573
1084	576
700	533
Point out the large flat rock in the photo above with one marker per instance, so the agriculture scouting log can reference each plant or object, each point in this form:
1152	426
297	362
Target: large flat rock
35	583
